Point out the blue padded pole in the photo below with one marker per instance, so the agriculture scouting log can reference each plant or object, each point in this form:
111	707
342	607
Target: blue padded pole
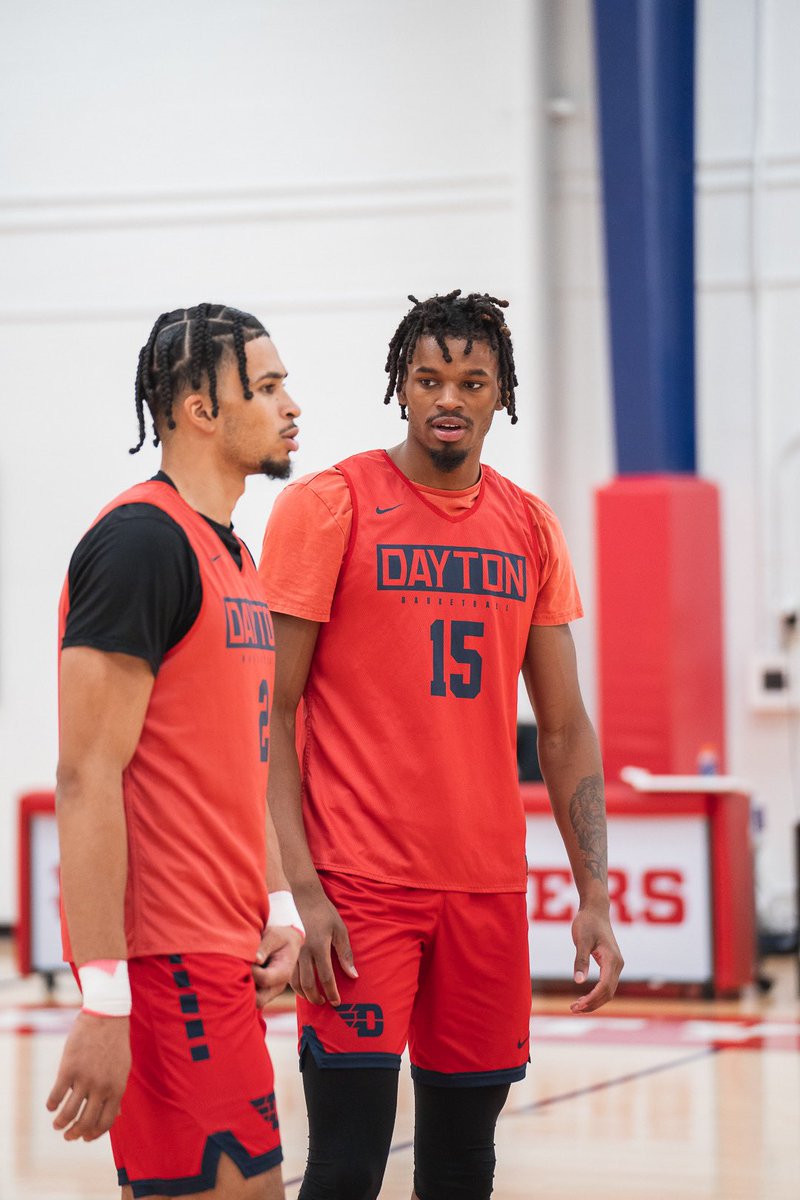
645	71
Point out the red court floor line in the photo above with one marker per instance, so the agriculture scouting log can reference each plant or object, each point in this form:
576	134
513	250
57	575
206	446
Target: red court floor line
283	1007
742	1032
576	1094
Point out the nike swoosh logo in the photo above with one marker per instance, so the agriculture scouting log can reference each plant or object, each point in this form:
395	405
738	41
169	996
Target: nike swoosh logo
391	508
216	556
524	1042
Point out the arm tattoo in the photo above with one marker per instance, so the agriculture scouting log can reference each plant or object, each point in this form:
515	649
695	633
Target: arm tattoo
587	812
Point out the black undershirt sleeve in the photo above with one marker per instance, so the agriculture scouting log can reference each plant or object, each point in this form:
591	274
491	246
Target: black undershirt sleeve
134	585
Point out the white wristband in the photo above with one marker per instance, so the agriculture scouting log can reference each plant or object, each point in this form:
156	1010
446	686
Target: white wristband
106	988
283	911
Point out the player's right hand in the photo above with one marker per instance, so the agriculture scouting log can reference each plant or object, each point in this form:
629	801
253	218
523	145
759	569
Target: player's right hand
92	1076
314	977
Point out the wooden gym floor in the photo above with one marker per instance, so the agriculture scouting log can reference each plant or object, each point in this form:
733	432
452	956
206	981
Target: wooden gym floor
678	1100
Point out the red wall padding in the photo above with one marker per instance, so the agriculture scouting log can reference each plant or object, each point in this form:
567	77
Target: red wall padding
660	623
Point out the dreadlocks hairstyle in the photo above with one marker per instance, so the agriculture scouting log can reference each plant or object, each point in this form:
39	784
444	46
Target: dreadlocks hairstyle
185	348
474	318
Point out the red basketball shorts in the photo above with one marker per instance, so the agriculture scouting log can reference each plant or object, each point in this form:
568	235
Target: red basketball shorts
445	972
201	1083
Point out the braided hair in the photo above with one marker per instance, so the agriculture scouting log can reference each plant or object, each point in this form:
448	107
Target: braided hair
474	318
185	347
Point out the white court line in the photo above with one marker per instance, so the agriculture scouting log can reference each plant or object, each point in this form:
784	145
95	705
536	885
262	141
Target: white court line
715	1031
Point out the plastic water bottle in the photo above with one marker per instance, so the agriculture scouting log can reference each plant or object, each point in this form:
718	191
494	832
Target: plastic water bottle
707	760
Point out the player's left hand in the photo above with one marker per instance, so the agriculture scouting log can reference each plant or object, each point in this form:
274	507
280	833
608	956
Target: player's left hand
594	938
275	961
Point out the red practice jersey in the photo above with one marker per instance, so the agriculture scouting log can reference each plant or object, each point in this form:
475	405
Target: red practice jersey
195	789
409	766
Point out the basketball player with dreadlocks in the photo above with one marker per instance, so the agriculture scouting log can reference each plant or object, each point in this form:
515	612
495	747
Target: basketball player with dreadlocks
166	676
409	589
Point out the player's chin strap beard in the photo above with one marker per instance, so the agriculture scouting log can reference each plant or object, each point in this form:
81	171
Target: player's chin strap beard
274	469
448	458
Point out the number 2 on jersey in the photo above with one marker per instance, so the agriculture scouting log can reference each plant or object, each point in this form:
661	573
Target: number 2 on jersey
464	686
263	720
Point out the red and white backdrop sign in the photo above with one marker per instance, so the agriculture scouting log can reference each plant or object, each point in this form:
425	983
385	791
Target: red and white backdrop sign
660	889
659	883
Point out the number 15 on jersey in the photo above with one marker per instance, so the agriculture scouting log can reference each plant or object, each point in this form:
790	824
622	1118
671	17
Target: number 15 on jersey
450	647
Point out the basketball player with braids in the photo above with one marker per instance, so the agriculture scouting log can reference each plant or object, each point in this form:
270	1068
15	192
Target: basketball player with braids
166	677
409	588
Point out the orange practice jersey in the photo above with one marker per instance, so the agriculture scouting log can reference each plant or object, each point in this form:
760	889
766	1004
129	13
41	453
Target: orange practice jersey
195	789
409	766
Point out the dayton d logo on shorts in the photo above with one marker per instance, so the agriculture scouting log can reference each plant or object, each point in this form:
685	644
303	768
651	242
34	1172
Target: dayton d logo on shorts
366	1019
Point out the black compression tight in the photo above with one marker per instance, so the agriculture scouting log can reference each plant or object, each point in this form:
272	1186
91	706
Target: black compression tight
351	1117
350	1122
454	1127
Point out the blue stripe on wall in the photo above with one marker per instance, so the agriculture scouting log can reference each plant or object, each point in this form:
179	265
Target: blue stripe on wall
645	70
